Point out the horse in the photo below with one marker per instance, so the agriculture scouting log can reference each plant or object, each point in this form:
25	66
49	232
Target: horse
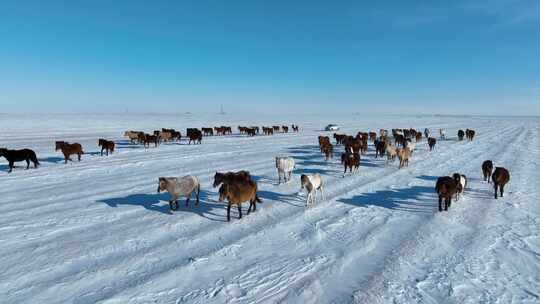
500	178
285	166
295	128
275	128
470	134
391	152
431	143
426	133
461	134
251	132
237	193
380	148
372	136
350	159
418	136
13	156
240	176
285	129
328	149
107	145
312	183
404	154
194	135
442	133
461	184
133	136
178	186
150	139
445	187
69	149
487	169
209	131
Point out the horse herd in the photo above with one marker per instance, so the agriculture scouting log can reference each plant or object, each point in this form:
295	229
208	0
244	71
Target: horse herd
238	188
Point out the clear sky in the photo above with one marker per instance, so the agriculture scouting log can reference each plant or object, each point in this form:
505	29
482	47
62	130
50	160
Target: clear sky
454	57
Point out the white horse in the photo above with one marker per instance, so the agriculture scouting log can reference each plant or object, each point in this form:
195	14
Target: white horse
442	132
285	166
178	186
312	183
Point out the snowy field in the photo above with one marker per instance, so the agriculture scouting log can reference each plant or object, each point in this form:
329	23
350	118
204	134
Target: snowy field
97	231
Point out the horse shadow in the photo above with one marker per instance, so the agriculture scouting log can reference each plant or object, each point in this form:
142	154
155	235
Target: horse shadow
428	177
290	199
404	199
154	202
52	159
311	171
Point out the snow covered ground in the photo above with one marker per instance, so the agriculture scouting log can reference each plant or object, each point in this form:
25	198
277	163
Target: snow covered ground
97	231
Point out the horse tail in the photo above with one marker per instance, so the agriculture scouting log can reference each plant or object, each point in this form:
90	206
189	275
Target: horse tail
198	192
34	159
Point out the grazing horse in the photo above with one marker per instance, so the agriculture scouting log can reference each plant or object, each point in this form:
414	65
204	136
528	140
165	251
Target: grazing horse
237	193
240	176
431	143
13	156
69	149
446	188
107	145
461	184
500	178
285	166
487	169
461	134
180	186
312	183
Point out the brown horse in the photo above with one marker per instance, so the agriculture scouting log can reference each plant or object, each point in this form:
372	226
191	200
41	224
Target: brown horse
328	150
350	159
380	148
418	136
107	145
209	131
285	129
238	193
150	139
500	178
446	188
69	149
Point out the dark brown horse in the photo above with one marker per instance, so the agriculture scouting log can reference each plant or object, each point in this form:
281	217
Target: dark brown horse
460	134
240	176
194	135
350	160
107	145
148	139
209	131
500	178
69	149
294	128
487	169
446	188
380	148
13	156
237	193
431	143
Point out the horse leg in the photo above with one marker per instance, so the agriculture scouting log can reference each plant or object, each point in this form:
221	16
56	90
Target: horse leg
229	212
239	211
198	193
27	164
171	205
502	190
11	165
495	186
79	156
187	200
250	205
440	203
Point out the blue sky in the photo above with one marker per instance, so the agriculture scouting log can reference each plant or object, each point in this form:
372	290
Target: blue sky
455	57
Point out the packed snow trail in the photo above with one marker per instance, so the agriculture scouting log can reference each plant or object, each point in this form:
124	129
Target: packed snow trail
96	231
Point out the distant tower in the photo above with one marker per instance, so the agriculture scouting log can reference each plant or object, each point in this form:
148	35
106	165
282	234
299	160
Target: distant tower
221	110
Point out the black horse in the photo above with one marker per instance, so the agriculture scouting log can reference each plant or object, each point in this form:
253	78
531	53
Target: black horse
13	156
